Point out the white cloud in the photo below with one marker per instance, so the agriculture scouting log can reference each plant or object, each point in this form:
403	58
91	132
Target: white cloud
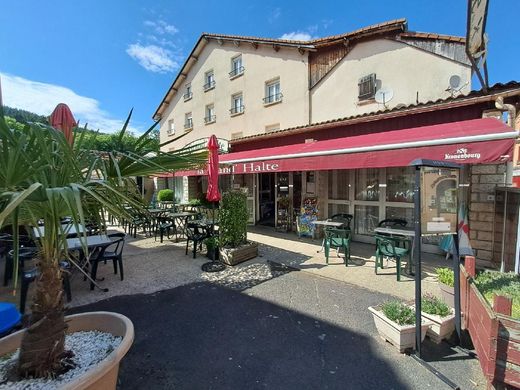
153	58
161	27
42	98
275	15
297	36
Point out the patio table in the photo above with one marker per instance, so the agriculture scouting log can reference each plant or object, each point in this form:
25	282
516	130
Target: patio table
68	229
179	219
326	223
403	232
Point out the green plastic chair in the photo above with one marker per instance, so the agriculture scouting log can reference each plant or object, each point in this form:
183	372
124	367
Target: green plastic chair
390	247
337	238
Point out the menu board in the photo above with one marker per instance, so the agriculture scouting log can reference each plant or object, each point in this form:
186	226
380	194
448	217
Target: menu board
439	189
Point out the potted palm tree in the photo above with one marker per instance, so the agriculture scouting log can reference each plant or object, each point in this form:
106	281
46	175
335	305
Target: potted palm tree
233	217
44	178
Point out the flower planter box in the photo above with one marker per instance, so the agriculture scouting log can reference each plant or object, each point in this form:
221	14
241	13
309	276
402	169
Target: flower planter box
233	256
496	336
400	336
102	376
441	327
447	294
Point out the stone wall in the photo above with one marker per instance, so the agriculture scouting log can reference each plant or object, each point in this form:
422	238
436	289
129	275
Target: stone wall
484	180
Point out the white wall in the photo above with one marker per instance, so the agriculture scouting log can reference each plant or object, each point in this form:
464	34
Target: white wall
403	68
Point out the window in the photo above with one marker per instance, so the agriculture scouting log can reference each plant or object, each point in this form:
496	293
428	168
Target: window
273	127
339	184
210	114
188	121
399	184
171	127
237	104
272	92
367	184
367	87
188	95
236	67
236	135
209	81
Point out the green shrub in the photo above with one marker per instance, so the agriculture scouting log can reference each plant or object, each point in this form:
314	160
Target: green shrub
500	283
446	276
430	304
399	312
165	195
233	217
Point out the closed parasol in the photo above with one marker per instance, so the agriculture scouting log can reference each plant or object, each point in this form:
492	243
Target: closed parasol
62	119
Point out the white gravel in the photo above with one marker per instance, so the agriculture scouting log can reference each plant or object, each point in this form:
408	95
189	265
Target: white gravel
89	348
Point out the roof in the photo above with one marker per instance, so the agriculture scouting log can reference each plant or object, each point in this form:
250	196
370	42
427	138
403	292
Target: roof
397	26
470	98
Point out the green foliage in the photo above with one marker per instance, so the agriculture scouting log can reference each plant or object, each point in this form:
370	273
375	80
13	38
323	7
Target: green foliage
399	312
14	124
446	276
430	304
23	116
194	202
233	217
165	195
490	283
211	243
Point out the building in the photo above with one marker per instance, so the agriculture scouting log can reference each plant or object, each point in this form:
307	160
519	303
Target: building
336	121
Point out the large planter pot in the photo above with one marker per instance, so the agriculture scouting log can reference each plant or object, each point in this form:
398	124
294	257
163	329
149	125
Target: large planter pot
447	294
233	256
441	327
102	376
400	336
213	253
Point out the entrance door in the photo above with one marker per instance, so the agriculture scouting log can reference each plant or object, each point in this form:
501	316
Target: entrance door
248	184
266	199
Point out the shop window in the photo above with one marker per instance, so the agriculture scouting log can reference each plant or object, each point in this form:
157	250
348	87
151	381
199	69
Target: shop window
399	184
339	184
366	219
337	208
405	213
367	184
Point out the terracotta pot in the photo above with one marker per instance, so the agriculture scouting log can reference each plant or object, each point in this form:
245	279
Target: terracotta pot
441	328
400	336
102	376
447	294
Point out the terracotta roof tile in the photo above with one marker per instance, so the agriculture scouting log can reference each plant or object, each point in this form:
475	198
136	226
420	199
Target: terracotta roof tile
424	35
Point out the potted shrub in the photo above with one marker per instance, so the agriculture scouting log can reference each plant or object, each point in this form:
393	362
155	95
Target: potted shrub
441	316
46	178
395	322
446	285
212	250
233	217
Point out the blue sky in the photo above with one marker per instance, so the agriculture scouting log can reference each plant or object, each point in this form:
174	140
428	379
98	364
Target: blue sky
105	57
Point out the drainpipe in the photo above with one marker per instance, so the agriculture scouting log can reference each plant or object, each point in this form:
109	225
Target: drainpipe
511	118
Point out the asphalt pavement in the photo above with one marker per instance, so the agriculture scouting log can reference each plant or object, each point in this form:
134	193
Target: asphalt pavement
292	330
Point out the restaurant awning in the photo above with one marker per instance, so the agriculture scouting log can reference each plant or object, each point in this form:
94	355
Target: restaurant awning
477	141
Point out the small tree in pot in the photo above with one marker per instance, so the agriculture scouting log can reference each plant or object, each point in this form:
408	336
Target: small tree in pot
233	217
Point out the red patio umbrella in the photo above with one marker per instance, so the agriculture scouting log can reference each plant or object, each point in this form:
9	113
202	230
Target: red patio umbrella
213	194
62	119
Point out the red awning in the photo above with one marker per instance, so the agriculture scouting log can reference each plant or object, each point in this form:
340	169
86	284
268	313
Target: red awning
477	141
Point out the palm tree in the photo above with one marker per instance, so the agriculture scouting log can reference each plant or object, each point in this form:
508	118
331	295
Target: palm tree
43	178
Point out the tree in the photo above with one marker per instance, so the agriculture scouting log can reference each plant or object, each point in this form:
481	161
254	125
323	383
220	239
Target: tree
42	177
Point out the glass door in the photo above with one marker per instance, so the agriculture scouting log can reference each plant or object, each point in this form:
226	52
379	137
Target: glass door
247	183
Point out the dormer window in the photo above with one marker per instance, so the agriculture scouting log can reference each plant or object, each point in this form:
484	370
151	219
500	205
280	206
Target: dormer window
367	87
188	94
236	67
209	79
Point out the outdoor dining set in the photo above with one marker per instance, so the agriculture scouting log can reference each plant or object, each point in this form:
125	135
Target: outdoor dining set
393	238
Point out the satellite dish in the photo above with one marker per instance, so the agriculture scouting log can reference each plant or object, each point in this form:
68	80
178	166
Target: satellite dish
384	95
454	81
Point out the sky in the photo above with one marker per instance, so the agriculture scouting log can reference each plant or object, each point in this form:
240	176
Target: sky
104	57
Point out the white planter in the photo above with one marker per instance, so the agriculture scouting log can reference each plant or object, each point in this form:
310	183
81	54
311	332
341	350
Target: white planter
400	336
441	327
447	294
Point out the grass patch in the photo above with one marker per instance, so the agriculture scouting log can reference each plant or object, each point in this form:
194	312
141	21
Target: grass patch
500	283
398	312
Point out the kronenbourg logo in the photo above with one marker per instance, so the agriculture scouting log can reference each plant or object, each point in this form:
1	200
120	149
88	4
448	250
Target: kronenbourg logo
461	154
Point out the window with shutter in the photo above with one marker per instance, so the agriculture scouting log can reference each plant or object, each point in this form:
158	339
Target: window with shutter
367	87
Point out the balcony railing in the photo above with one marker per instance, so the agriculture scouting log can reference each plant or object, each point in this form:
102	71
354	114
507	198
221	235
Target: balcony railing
237	110
188	96
210	119
236	71
277	97
188	124
209	85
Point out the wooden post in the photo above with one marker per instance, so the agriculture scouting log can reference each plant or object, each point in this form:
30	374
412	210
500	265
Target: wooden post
502	305
470	265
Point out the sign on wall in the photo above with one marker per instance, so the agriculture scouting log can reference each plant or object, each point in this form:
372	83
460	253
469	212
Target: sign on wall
439	190
202	143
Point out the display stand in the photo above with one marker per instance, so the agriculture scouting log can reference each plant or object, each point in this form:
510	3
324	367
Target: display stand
283	215
309	215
